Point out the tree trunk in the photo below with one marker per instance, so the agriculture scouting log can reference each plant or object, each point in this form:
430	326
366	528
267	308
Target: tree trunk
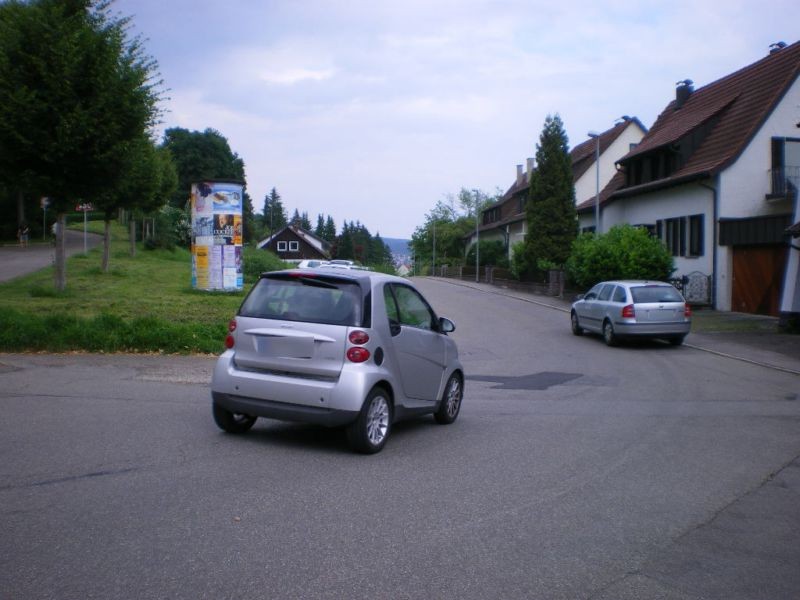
132	235
61	252
20	207
106	244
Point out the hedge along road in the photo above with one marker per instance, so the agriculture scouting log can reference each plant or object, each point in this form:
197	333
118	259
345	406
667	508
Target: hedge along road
16	261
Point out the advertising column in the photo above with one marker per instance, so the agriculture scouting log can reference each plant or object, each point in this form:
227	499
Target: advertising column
217	236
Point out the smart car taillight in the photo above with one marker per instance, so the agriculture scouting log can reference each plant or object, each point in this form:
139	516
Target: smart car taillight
357	354
229	341
232	325
628	312
358	337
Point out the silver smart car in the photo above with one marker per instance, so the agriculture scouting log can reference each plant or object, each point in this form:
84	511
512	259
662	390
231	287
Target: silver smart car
337	348
633	309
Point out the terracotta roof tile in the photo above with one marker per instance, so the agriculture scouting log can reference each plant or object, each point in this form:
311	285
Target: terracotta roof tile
740	101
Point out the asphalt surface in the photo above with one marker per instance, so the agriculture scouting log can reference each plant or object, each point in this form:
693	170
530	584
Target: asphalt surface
574	471
744	337
16	261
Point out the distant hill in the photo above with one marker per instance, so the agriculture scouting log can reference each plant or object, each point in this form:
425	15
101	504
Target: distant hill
399	247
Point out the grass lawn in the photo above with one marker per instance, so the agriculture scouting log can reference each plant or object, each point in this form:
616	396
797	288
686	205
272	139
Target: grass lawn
144	304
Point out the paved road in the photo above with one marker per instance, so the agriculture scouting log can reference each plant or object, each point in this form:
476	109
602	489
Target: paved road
16	261
574	471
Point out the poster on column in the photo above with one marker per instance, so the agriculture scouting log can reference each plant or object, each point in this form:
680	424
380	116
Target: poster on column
217	235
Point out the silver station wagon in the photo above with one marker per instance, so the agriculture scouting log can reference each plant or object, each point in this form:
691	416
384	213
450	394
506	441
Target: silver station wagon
632	309
337	348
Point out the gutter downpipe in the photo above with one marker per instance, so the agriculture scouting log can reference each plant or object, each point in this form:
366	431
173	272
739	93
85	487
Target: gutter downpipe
715	191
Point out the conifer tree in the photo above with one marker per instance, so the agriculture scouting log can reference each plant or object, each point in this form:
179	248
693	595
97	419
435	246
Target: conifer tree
551	216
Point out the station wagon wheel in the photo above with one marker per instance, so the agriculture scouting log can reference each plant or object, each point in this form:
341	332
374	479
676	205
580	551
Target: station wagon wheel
231	422
576	327
369	431
608	334
450	405
677	340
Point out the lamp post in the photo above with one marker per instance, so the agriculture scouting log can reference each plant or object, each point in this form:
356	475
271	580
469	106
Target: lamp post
477	238
433	267
596	136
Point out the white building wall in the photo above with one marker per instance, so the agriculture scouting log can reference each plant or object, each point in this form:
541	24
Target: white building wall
745	184
586	186
681	201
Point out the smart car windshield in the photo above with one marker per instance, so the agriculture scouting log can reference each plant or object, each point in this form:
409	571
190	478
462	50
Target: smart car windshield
304	298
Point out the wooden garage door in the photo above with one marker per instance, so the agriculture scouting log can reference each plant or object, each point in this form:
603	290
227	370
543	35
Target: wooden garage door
758	273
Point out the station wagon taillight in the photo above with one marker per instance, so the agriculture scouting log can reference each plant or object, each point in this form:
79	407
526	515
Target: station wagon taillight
687	310
628	312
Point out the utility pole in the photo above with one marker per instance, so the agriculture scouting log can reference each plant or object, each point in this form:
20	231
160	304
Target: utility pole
477	238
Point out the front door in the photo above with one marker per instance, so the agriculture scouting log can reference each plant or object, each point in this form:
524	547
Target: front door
418	346
758	273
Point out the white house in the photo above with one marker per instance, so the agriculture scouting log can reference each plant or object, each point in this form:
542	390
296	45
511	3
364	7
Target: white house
505	220
716	179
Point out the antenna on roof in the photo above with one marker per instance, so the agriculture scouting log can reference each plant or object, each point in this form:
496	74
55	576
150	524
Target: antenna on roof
776	47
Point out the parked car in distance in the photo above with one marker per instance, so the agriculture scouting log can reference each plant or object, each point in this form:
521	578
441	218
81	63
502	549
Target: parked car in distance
337	347
632	309
311	264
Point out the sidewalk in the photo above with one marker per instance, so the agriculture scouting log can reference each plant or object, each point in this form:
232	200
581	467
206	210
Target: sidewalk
16	261
750	338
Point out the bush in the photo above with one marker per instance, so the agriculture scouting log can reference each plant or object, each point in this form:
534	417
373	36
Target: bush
172	227
256	261
625	252
492	253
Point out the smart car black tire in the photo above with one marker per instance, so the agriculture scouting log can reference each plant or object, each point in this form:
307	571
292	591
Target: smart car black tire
609	336
232	422
576	327
450	405
368	433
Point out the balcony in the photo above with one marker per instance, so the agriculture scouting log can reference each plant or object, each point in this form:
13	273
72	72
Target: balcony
783	183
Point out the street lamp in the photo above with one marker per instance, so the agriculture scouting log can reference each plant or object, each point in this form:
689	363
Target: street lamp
477	238
596	136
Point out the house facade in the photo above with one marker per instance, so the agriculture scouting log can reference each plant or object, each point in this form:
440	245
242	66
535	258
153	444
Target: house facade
715	179
505	220
293	244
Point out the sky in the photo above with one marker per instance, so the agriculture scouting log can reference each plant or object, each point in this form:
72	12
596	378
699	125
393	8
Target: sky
373	110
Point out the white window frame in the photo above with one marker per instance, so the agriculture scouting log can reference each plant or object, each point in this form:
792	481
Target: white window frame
281	246
294	246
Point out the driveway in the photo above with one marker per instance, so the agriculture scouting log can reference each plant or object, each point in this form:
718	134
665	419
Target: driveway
16	261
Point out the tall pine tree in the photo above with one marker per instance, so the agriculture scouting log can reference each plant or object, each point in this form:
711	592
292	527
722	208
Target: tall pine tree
274	213
551	216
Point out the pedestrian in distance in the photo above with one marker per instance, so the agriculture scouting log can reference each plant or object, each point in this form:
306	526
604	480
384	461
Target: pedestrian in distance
22	234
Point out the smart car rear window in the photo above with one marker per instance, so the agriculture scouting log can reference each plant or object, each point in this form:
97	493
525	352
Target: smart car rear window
305	299
655	293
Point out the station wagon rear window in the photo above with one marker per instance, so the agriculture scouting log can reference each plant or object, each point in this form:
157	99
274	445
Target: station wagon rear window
308	299
655	293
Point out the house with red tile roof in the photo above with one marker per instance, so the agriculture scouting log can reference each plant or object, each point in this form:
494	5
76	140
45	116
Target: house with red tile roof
505	220
716	179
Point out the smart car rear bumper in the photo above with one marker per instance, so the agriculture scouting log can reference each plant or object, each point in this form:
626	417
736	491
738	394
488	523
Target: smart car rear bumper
283	411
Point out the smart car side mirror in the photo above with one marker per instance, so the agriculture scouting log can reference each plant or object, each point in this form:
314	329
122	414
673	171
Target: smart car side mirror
446	325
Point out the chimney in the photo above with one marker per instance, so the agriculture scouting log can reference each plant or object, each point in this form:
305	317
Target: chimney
519	172
530	167
682	92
